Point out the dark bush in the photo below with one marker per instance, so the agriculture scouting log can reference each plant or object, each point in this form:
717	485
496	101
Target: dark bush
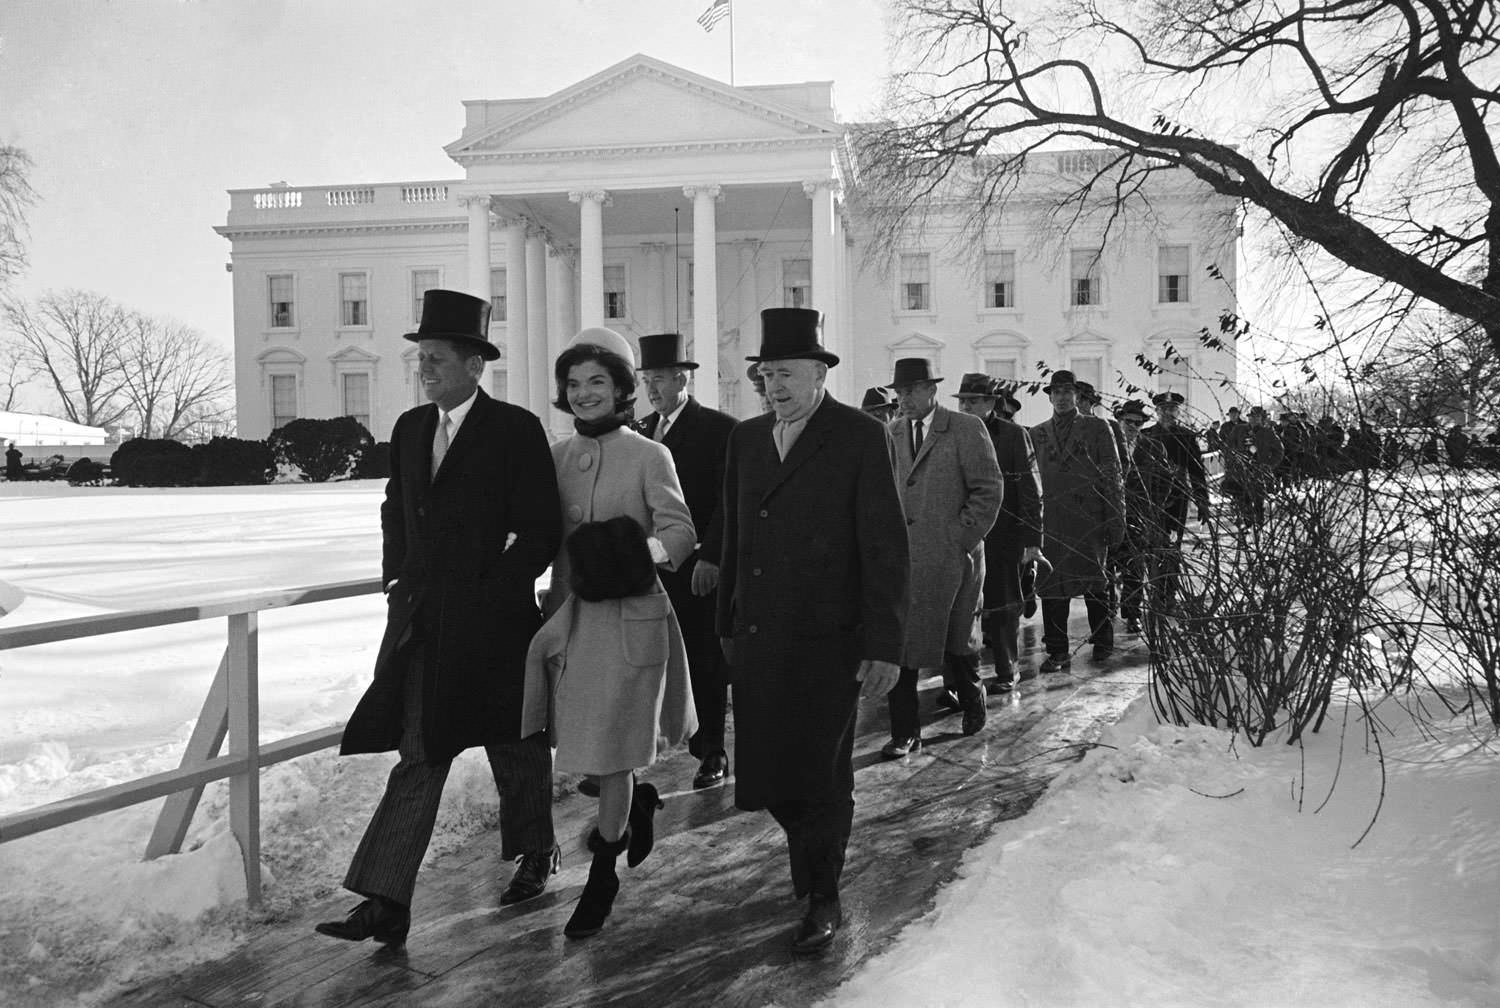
322	449
233	462
85	472
375	463
153	462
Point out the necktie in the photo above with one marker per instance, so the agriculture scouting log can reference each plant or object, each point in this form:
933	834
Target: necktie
916	438
780	433
661	429
440	444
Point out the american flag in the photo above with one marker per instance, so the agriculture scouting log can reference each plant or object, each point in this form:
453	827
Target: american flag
717	11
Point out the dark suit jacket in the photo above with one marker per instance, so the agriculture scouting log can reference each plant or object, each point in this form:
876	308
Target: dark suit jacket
1020	521
698	442
469	598
813	579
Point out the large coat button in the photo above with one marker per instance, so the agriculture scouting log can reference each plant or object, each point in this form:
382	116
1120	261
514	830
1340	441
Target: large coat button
585	462
575	513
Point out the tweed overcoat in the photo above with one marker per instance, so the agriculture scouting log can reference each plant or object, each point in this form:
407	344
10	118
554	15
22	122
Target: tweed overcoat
950	493
605	678
619	473
1019	523
473	599
813	580
1084	503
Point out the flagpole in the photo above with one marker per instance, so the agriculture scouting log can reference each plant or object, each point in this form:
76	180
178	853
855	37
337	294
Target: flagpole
731	43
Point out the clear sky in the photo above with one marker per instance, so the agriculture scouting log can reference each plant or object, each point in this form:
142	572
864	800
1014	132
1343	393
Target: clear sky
140	114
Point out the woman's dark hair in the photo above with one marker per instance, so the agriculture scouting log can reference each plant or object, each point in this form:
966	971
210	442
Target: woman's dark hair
620	372
610	560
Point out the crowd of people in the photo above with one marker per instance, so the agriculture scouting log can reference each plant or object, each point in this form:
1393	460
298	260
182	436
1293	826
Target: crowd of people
811	557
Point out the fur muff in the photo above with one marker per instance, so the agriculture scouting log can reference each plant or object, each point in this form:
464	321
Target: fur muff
610	560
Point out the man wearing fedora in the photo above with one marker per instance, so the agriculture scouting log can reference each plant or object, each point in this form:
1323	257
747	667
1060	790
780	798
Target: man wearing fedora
812	601
697	438
880	403
1147	481
469	522
1015	541
950	490
1084	517
1189	481
1250	463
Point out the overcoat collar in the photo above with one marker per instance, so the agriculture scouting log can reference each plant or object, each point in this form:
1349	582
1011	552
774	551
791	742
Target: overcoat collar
462	441
648	426
809	443
935	425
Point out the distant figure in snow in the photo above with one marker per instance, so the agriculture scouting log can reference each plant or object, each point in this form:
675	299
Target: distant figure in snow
13	470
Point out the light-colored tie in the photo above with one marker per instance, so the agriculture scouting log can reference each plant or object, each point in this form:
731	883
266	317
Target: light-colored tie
661	429
779	431
440	444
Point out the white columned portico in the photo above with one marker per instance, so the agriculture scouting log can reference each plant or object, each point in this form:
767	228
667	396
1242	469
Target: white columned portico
479	245
518	375
655	317
705	293
591	204
824	264
562	325
748	325
536	319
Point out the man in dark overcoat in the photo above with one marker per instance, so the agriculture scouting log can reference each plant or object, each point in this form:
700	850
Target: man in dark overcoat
470	520
1148	483
1251	462
1084	518
812	604
697	437
1015	540
950	491
1189	482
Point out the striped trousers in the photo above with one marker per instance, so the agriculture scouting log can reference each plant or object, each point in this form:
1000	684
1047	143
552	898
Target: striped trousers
391	851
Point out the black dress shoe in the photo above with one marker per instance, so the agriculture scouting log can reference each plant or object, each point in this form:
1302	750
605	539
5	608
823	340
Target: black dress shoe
997	686
531	876
1102	652
815	933
948	700
974	715
898	747
713	770
376	918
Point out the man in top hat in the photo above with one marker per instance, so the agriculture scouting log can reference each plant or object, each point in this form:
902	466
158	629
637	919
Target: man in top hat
1084	517
470	520
812	602
880	403
697	437
1014	541
950	490
1250	464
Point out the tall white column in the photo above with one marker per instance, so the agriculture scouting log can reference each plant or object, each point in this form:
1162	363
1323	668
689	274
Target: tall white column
479	245
748	324
705	293
536	319
517	360
655	316
562	325
591	204
824	273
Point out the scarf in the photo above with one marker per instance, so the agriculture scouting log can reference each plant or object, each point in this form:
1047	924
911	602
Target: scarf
598	428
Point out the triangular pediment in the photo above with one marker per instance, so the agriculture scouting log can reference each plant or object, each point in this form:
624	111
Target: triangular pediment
642	102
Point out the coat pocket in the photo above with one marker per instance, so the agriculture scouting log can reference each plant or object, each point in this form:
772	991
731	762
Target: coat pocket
643	629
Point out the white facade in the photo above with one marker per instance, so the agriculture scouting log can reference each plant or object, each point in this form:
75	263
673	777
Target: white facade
598	205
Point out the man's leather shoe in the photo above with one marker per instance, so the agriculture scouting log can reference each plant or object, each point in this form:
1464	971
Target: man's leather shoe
531	876
974	715
948	700
713	770
376	918
896	748
815	933
997	686
1055	663
1102	652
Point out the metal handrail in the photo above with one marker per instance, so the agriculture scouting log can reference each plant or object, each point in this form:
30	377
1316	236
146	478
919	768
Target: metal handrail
231	709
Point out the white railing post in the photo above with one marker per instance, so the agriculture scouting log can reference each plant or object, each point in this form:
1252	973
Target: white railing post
208	735
244	740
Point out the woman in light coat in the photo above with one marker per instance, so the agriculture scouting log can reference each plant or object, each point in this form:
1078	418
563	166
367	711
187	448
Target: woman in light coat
606	716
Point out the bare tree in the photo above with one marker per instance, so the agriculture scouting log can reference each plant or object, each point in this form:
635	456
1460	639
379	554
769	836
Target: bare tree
73	340
12	375
1361	128
16	197
173	378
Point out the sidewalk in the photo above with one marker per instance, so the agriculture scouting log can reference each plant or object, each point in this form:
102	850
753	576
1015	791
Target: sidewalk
707	920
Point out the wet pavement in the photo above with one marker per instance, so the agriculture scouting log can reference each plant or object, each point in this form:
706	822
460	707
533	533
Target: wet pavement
708	918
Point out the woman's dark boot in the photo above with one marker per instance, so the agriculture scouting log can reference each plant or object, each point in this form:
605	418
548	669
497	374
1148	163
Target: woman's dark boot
599	891
643	806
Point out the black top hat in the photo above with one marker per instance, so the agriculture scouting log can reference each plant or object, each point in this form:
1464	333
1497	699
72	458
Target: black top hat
877	398
664	350
792	334
1087	392
453	315
910	370
976	386
1132	407
1168	399
1061	379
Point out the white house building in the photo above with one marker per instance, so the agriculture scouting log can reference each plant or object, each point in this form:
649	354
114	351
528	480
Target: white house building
648	198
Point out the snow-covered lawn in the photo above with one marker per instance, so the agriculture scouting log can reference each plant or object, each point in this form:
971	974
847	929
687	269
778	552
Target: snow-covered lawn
1172	867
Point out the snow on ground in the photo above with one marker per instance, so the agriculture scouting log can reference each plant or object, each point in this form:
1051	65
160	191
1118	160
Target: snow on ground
1172	867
